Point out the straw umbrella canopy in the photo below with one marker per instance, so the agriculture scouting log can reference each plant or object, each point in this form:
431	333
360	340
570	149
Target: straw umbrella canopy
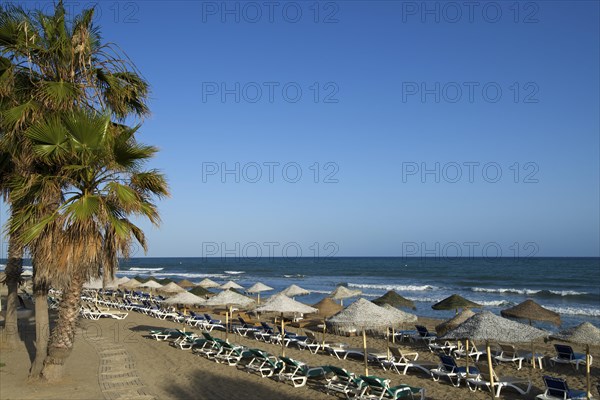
122	280
200	291
400	316
363	315
113	284
294	290
164	281
486	326
257	288
229	298
327	307
455	302
453	322
531	311
394	299
584	333
151	284
342	292
230	285
172	288
131	284
283	304
186	284
208	283
186	299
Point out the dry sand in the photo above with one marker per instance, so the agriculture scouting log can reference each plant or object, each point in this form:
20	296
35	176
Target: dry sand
112	359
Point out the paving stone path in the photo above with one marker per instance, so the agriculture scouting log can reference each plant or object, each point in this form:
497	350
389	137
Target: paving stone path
117	376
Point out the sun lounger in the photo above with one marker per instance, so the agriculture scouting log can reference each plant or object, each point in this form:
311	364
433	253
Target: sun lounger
264	363
311	343
508	353
483	380
165	334
474	353
424	335
557	389
231	354
447	347
566	355
342	381
298	372
379	388
450	370
400	361
245	327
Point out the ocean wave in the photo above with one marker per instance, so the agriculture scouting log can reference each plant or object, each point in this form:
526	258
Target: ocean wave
235	272
587	311
532	292
405	288
294	276
172	274
142	269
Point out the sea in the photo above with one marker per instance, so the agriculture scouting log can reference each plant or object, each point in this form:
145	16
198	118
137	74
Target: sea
569	286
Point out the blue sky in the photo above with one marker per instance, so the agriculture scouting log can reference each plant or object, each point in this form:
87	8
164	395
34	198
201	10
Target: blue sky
388	90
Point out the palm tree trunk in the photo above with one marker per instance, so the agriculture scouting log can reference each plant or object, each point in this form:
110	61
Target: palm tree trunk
42	326
63	334
13	270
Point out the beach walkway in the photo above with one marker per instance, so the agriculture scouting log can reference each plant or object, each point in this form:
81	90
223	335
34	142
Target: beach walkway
117	375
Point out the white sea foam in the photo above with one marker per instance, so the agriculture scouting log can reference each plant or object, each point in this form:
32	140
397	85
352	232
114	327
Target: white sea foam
587	311
234	272
405	288
529	292
141	269
171	274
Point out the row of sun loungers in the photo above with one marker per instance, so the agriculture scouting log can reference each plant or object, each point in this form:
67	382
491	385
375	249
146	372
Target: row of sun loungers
329	378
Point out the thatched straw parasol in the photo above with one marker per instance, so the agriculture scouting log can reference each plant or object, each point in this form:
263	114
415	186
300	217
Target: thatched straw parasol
486	326
186	284
164	281
453	322
342	292
294	290
141	279
122	280
363	315
131	284
207	283
257	288
531	311
282	304
455	302
200	291
394	299
172	288
151	285
327	307
230	285
228	298
584	333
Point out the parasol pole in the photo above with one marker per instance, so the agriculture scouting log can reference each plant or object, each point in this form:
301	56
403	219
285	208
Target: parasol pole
467	355
282	336
365	351
324	329
588	361
491	371
258	298
227	322
387	340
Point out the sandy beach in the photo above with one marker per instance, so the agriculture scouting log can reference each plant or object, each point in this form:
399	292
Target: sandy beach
114	359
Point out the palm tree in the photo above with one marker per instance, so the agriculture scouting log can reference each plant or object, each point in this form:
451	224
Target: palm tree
97	166
50	66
